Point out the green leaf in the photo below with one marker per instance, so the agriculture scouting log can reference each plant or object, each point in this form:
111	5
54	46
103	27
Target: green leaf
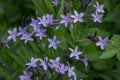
108	54
112	48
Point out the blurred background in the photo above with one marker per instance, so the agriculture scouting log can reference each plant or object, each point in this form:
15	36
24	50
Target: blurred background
11	13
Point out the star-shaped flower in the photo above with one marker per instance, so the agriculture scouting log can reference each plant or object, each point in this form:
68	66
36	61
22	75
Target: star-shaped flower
77	17
27	37
43	21
75	53
70	70
85	61
99	8
13	34
54	63
41	33
53	42
66	19
44	63
26	76
35	24
61	68
49	18
102	42
32	63
97	17
55	2
22	31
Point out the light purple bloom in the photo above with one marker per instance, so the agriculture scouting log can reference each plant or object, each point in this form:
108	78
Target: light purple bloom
5	42
97	17
85	61
34	23
61	68
75	53
102	42
71	71
55	2
53	42
55	62
41	33
22	31
13	34
77	17
33	63
44	63
99	8
49	18
66	19
27	37
26	76
43	21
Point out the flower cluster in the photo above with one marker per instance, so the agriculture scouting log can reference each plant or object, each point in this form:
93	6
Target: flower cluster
58	67
39	26
98	10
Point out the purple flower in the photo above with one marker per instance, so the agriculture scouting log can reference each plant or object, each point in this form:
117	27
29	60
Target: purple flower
41	33
35	24
32	63
26	76
27	37
77	17
66	19
22	31
85	61
53	42
55	62
55	2
75	53
49	18
43	21
71	71
61	68
99	8
44	63
13	34
97	17
5	42
102	42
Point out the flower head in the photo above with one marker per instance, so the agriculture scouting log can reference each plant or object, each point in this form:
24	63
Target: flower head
27	37
85	61
55	2
97	17
41	33
22	31
35	24
61	68
55	62
102	42
66	19
5	42
44	63
53	42
43	21
75	53
99	8
13	34
26	76
77	17
49	18
32	63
